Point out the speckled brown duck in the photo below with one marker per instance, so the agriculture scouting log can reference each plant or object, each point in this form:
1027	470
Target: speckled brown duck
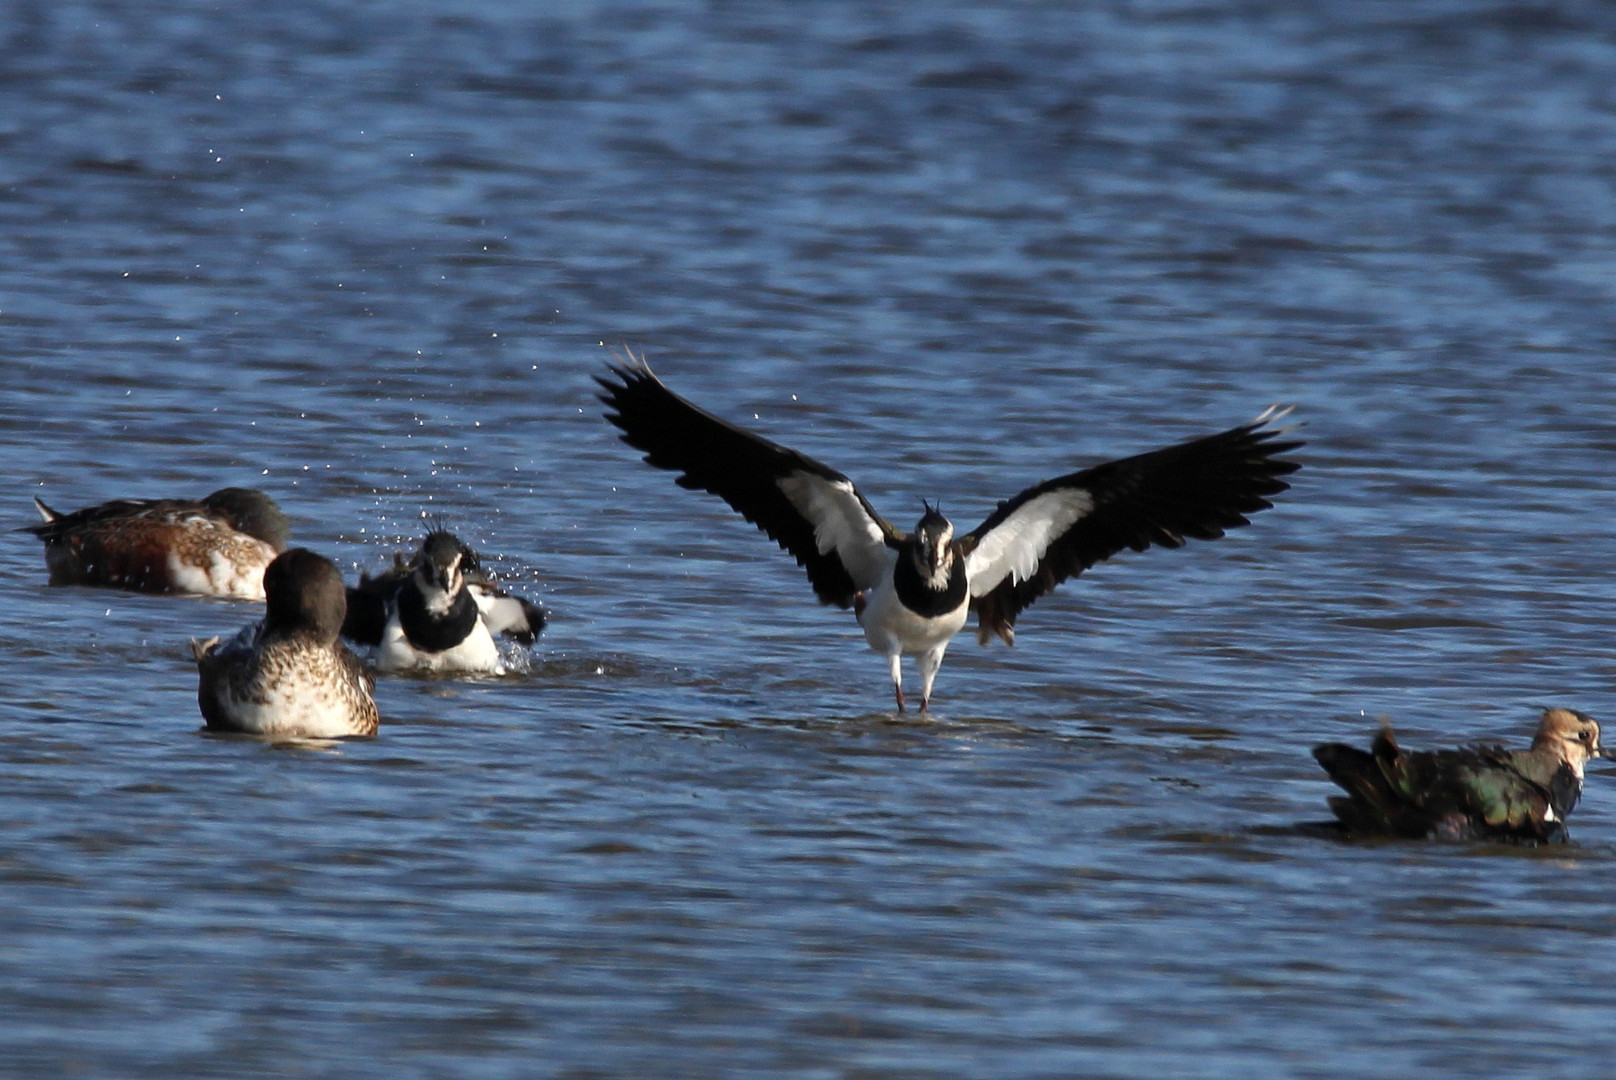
288	676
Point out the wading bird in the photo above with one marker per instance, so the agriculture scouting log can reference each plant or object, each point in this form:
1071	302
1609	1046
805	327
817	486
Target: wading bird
911	591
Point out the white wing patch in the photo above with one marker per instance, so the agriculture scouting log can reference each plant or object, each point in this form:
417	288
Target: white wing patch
1017	544
499	613
841	524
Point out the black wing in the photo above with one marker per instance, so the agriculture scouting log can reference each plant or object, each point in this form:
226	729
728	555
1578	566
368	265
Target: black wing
809	509
1060	528
366	620
1502	798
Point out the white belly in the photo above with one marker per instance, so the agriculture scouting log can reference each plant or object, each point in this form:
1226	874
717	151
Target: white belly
476	653
892	629
295	715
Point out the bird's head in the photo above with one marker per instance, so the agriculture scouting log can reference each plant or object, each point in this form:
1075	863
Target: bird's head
303	593
441	566
933	555
252	512
1574	735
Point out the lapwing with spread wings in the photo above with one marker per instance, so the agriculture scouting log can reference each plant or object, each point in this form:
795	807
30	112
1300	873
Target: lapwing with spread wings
911	592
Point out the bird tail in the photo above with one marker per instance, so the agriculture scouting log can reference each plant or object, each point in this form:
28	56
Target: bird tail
1374	783
993	617
51	517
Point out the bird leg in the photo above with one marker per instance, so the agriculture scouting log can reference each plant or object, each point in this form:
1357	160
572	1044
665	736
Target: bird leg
929	662
897	676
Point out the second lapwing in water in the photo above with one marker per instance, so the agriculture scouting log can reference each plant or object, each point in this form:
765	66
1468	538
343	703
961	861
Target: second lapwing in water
439	612
1471	793
911	592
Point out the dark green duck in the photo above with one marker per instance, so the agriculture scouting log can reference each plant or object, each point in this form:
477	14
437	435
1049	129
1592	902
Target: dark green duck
1474	793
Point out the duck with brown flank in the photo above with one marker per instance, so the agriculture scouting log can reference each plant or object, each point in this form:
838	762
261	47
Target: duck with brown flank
215	546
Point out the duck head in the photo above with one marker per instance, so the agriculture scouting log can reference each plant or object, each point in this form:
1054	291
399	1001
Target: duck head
252	512
303	593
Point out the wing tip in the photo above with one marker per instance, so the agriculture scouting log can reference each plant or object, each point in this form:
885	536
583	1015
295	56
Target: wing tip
625	372
625	359
1271	441
1265	423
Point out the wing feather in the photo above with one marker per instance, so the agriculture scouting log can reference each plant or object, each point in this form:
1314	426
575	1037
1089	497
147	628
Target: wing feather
809	509
1061	527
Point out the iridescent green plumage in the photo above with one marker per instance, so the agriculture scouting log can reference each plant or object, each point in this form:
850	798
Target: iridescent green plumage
1478	793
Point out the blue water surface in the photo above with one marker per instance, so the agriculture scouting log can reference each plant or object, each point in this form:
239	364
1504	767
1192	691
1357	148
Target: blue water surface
366	257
